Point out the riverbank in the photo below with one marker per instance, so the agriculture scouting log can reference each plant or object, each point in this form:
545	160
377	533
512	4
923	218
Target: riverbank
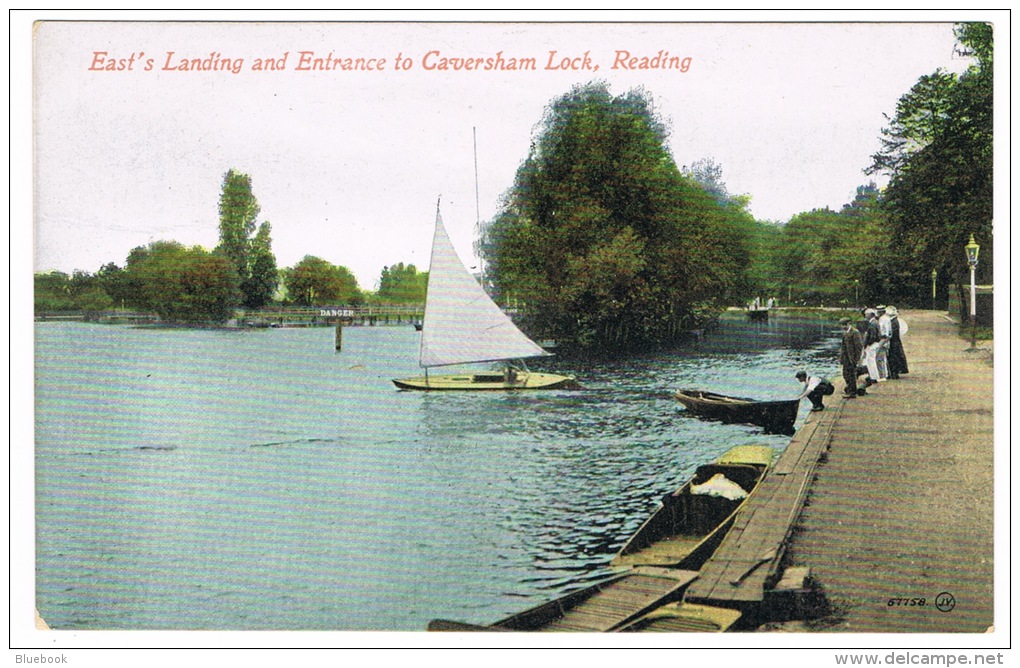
898	525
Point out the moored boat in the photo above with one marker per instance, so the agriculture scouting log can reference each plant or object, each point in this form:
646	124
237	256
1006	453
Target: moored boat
691	522
657	564
683	617
774	416
599	608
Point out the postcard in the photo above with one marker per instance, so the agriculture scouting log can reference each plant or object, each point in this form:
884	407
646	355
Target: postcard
260	246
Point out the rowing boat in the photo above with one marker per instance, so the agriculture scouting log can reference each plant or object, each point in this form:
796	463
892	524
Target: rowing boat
775	416
657	564
604	607
683	617
691	522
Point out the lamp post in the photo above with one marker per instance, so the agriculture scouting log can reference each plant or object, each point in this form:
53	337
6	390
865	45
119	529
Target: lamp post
934	275
972	259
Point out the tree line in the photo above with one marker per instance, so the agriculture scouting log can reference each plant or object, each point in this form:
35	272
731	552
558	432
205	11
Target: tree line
184	284
605	244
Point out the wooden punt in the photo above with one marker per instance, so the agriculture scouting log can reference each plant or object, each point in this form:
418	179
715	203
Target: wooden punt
774	416
691	522
603	607
683	617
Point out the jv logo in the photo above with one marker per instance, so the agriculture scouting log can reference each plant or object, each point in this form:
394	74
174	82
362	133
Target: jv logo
945	601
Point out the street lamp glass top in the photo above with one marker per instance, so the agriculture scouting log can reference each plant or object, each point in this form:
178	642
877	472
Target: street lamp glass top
972	251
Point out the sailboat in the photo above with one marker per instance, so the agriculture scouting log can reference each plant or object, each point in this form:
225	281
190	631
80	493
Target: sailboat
462	325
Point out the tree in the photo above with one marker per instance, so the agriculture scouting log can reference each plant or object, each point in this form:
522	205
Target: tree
184	285
260	285
252	259
114	282
400	284
52	292
601	240
314	281
938	153
81	291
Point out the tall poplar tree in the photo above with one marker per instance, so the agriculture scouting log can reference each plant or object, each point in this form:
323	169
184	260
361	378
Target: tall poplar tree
252	258
262	280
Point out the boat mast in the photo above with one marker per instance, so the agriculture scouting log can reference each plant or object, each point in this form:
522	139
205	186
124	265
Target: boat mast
478	209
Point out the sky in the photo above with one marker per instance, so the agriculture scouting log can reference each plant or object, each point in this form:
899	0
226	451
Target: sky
349	165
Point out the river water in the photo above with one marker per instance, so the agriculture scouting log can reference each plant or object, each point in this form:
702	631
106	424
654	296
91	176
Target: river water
257	479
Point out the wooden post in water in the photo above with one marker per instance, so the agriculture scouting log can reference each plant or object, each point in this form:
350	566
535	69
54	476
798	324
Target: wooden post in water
339	335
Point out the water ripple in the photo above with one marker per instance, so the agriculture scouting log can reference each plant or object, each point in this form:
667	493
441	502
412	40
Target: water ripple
294	488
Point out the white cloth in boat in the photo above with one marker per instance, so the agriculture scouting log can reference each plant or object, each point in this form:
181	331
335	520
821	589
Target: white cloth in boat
719	485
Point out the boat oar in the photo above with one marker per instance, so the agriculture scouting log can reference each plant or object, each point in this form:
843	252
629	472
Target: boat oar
764	559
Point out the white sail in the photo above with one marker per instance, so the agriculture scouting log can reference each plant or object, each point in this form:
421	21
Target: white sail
462	324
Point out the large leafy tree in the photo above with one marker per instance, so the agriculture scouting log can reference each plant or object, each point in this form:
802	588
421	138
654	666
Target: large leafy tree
252	258
314	281
752	242
601	240
938	154
184	285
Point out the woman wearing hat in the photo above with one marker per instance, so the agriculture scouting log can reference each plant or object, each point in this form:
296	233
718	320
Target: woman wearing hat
872	341
885	334
897	357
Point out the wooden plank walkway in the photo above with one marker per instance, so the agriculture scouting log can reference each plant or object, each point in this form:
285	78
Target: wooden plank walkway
624	601
904	504
748	560
611	606
902	501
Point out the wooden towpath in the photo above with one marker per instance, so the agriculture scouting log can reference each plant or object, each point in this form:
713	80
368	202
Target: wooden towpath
748	560
899	529
621	601
607	606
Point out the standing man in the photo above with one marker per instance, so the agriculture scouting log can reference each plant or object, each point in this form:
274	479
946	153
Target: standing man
850	351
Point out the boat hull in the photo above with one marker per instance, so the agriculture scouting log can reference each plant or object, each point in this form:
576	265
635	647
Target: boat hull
683	617
484	382
774	416
644	597
600	608
688	527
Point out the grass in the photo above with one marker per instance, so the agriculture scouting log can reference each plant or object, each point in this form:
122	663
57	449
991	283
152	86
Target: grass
979	333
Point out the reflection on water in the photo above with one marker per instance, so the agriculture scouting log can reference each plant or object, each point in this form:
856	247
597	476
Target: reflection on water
255	480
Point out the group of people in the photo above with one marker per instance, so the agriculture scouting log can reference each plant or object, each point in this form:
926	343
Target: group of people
872	347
